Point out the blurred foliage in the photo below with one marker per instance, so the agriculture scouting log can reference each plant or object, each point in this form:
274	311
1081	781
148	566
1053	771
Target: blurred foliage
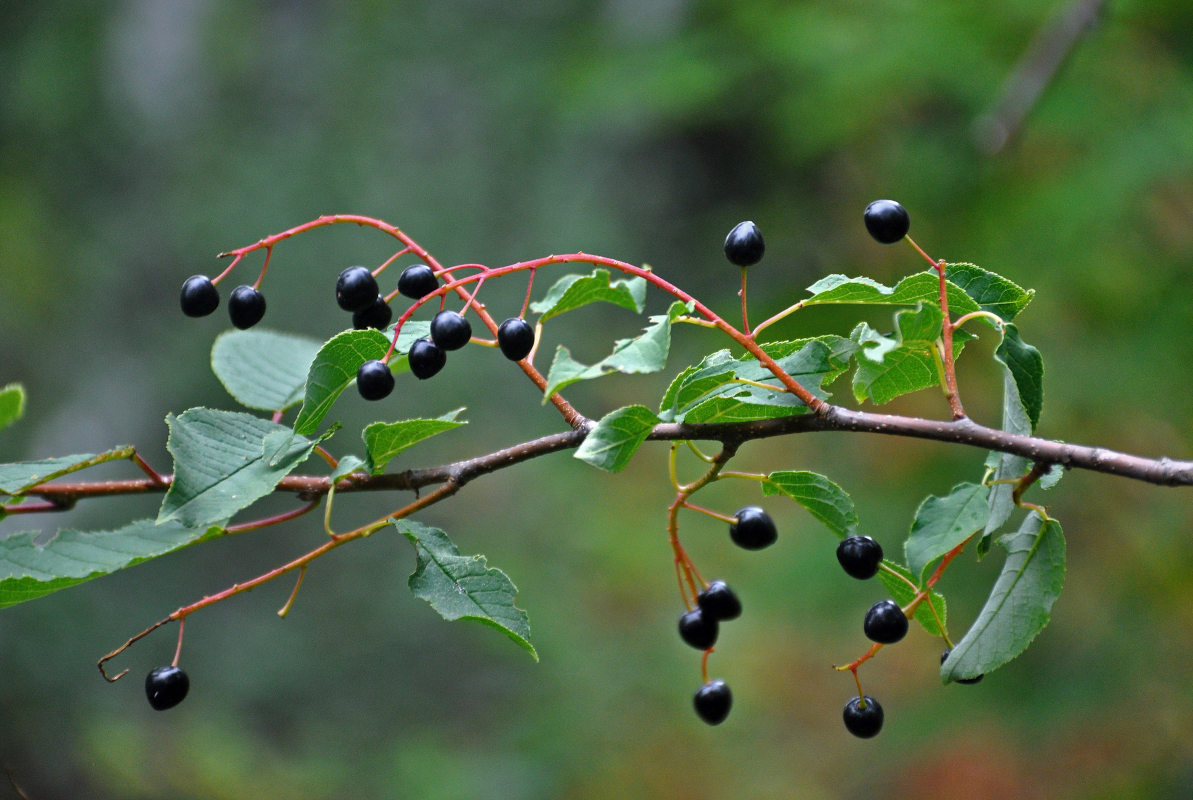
139	139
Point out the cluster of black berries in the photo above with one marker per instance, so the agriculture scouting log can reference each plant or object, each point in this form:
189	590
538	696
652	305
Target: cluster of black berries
753	529
246	306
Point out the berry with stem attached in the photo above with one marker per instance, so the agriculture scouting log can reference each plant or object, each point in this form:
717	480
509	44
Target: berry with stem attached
859	556
246	307
744	245
885	622
515	337
375	315
887	221
417	281
450	330
698	629
355	288
374	380
719	602
426	358
199	296
166	687
713	702
753	529
944	656
863	717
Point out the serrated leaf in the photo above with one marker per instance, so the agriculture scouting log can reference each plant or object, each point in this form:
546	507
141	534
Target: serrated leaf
263	370
573	291
920	287
463	587
12	404
16	478
612	443
30	568
1020	604
891	367
821	497
942	523
1026	365
902	593
1007	466
992	292
384	440
333	369
220	464
641	354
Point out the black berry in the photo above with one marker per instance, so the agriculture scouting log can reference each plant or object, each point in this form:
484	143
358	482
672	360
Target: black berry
450	331
355	288
753	529
744	245
713	702
417	281
945	655
719	602
375	315
515	337
166	687
698	629
199	296
885	622
863	717
246	306
887	221
374	380
860	556
426	359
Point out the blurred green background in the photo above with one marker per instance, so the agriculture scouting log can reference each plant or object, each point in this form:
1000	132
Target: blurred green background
139	139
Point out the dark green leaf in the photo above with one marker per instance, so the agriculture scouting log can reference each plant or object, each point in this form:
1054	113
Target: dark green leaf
384	440
262	369
573	291
333	369
1006	466
16	478
463	587
823	499
991	292
1020	604
942	523
921	287
903	593
1027	367
612	443
12	404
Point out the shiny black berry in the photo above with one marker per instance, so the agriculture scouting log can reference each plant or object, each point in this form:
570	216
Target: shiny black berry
356	288
887	221
166	687
199	296
450	331
426	358
975	679
374	380
885	622
417	281
863	717
860	556
515	337
698	629
744	245
375	315
713	702
246	306
719	602
753	529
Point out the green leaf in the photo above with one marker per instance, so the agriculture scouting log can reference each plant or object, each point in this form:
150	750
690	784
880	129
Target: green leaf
902	593
16	478
346	466
887	369
30	568
921	287
384	440
1020	604
942	523
823	499
1026	366
1007	466
644	353
12	404
333	369
573	291
990	291
262	369
221	464
612	443
463	587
